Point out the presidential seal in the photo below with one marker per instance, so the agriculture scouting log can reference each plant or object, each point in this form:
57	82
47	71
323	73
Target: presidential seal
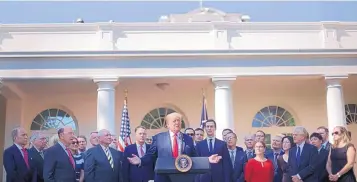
183	163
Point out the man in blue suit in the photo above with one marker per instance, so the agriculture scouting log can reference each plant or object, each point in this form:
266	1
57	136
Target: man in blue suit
277	151
18	165
58	162
249	141
237	156
169	144
130	172
302	158
102	163
221	171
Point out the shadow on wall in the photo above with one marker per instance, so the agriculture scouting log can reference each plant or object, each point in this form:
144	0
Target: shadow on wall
2	130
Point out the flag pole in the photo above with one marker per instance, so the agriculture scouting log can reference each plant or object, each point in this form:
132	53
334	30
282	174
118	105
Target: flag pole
126	96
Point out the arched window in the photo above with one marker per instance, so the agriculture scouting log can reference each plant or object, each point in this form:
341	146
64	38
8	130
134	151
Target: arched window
53	119
351	113
155	119
273	116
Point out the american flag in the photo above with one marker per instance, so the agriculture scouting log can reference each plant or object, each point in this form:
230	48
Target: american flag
124	137
204	115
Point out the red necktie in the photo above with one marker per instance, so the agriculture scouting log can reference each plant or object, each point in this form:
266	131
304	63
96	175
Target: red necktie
26	157
175	147
142	151
70	157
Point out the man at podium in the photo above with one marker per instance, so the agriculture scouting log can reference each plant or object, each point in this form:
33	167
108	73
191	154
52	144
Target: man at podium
169	144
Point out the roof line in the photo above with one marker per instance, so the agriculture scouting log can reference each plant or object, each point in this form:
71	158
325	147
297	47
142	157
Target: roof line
159	53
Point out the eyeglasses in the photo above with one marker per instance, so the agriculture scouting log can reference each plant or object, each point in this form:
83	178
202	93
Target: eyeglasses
335	133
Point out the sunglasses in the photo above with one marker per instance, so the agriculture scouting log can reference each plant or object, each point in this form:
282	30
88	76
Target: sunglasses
75	143
335	133
190	134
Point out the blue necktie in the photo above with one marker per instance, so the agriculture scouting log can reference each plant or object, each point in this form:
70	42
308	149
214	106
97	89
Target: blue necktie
210	146
298	155
276	155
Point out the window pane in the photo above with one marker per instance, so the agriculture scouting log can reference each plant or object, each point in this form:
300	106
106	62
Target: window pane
53	119
273	116
351	114
156	118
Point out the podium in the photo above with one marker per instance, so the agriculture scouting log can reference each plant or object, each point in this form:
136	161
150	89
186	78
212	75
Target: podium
167	167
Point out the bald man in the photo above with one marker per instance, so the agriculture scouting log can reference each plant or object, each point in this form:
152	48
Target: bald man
169	144
58	162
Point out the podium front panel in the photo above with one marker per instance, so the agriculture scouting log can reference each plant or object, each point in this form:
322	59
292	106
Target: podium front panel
200	165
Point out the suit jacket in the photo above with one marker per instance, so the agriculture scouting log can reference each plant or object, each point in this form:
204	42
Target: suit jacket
328	146
246	153
97	167
308	161
239	165
57	166
321	166
161	148
15	166
278	176
37	162
220	172
130	172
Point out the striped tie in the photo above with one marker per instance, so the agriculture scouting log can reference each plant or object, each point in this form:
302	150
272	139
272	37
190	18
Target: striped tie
110	159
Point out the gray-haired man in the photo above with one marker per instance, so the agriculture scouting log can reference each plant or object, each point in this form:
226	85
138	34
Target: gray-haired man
38	142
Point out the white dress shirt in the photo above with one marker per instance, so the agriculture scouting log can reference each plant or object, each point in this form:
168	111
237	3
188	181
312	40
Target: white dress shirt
234	154
138	148
208	141
179	141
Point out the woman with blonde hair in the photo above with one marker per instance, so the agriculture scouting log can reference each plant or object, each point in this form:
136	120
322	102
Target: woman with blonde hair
341	157
52	141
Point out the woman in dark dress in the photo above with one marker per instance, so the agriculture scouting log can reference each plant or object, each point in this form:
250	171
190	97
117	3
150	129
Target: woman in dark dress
342	157
288	143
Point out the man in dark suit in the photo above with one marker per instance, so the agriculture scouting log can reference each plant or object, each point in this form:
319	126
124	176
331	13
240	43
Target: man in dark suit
237	156
39	142
323	131
249	141
221	171
302	158
130	172
260	136
59	163
316	140
18	165
169	144
277	151
102	163
225	132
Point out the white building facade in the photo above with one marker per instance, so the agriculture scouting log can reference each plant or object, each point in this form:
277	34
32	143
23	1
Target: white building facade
269	76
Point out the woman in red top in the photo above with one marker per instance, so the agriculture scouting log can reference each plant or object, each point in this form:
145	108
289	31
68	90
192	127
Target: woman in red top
259	168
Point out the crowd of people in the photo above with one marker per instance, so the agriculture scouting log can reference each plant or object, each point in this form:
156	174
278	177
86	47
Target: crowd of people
302	157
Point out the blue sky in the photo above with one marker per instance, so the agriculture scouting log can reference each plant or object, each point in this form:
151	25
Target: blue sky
279	11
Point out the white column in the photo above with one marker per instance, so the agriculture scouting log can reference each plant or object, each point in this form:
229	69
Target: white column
106	103
223	104
335	103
